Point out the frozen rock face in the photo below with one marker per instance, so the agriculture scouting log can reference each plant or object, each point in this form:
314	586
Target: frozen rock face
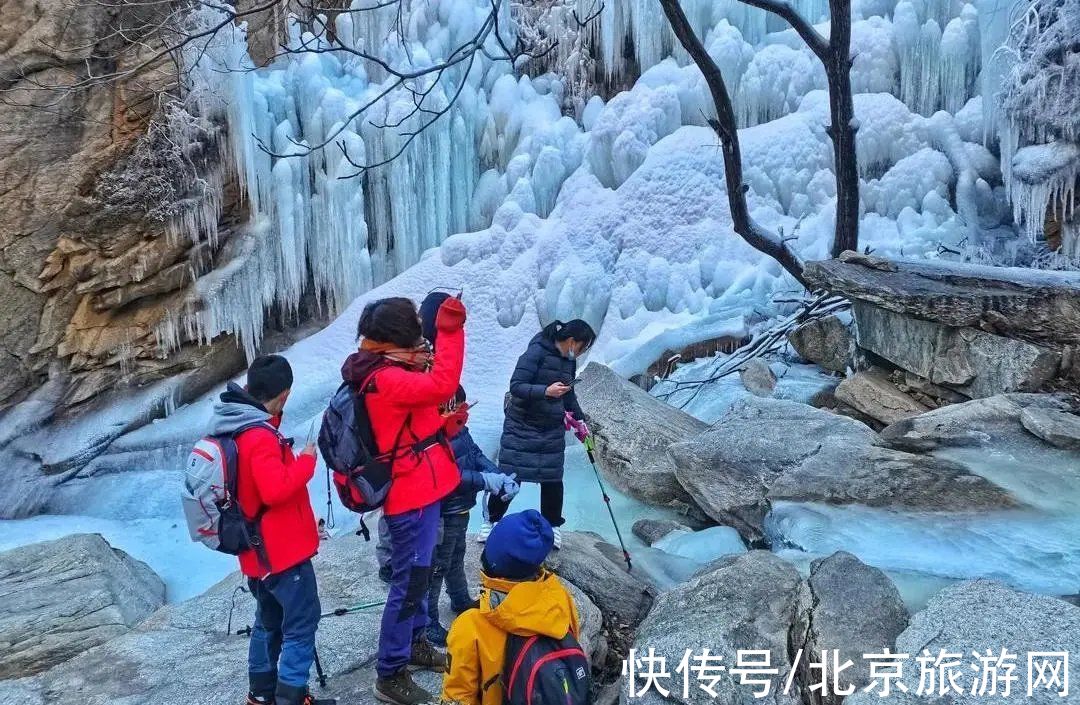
872	393
745	602
1058	428
825	342
978	616
587	560
86	267
63	597
633	431
764	450
974	362
850	608
980	422
182	654
757	378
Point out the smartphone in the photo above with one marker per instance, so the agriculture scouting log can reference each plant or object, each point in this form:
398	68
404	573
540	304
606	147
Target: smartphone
311	431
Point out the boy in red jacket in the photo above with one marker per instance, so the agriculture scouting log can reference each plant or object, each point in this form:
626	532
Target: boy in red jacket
272	492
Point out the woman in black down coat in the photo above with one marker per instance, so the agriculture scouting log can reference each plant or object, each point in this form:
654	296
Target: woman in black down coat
534	436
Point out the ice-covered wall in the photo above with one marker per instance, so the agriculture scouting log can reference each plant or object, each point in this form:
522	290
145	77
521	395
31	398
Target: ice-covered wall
301	128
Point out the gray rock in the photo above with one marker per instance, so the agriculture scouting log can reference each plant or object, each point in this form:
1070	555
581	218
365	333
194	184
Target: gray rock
975	423
850	609
1036	305
768	449
974	362
757	378
185	654
825	342
976	616
872	393
633	431
652	530
62	597
882	477
744	602
729	467
1058	428
597	567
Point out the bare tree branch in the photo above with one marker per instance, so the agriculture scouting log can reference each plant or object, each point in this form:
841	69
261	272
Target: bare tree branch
726	129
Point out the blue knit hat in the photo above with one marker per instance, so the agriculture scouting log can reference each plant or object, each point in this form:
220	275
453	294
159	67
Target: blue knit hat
517	545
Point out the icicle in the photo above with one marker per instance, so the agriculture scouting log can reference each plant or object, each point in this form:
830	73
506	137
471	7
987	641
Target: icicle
1043	182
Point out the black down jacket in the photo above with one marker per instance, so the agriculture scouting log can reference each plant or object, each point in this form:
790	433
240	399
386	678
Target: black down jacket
534	437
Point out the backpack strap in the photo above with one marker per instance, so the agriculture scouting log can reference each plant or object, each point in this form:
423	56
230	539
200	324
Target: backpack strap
232	484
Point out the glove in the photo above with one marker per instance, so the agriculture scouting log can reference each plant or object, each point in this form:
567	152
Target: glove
580	428
456	420
451	316
502	486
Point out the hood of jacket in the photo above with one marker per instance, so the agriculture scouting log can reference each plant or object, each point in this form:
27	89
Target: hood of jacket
429	311
359	365
547	344
540	606
234	409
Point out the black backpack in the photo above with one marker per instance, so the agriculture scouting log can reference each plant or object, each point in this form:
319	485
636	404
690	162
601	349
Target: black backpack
361	474
542	670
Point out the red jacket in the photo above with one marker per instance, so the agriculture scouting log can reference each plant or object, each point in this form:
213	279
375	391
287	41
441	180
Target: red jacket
268	475
431	474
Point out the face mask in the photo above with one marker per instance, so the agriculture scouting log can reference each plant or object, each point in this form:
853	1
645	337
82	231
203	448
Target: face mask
571	355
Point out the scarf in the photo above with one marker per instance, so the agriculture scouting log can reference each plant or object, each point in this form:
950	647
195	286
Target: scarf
418	357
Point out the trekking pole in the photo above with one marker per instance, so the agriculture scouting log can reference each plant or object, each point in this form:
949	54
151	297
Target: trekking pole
318	670
589	448
342	611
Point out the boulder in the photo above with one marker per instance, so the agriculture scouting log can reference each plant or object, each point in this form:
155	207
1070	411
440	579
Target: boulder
982	616
850	609
746	602
757	378
63	597
1058	428
768	449
729	467
652	530
597	567
872	393
883	477
189	653
633	431
1037	305
994	420
972	361
823	341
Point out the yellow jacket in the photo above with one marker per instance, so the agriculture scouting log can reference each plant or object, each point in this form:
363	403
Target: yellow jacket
476	645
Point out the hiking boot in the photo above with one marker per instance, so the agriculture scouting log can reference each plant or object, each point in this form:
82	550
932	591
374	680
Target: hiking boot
386	572
293	695
558	537
458	609
261	688
436	634
426	657
400	689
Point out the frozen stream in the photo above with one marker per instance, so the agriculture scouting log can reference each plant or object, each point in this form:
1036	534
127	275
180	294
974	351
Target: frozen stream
1036	549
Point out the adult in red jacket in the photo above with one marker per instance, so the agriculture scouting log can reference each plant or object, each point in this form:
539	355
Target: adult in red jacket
272	492
404	387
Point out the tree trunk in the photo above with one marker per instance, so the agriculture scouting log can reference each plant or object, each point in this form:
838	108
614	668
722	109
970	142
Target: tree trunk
843	128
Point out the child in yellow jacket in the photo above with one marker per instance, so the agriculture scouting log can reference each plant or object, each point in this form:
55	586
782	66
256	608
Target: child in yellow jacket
517	596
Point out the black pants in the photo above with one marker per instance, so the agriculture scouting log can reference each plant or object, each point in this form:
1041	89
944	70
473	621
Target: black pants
551	503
